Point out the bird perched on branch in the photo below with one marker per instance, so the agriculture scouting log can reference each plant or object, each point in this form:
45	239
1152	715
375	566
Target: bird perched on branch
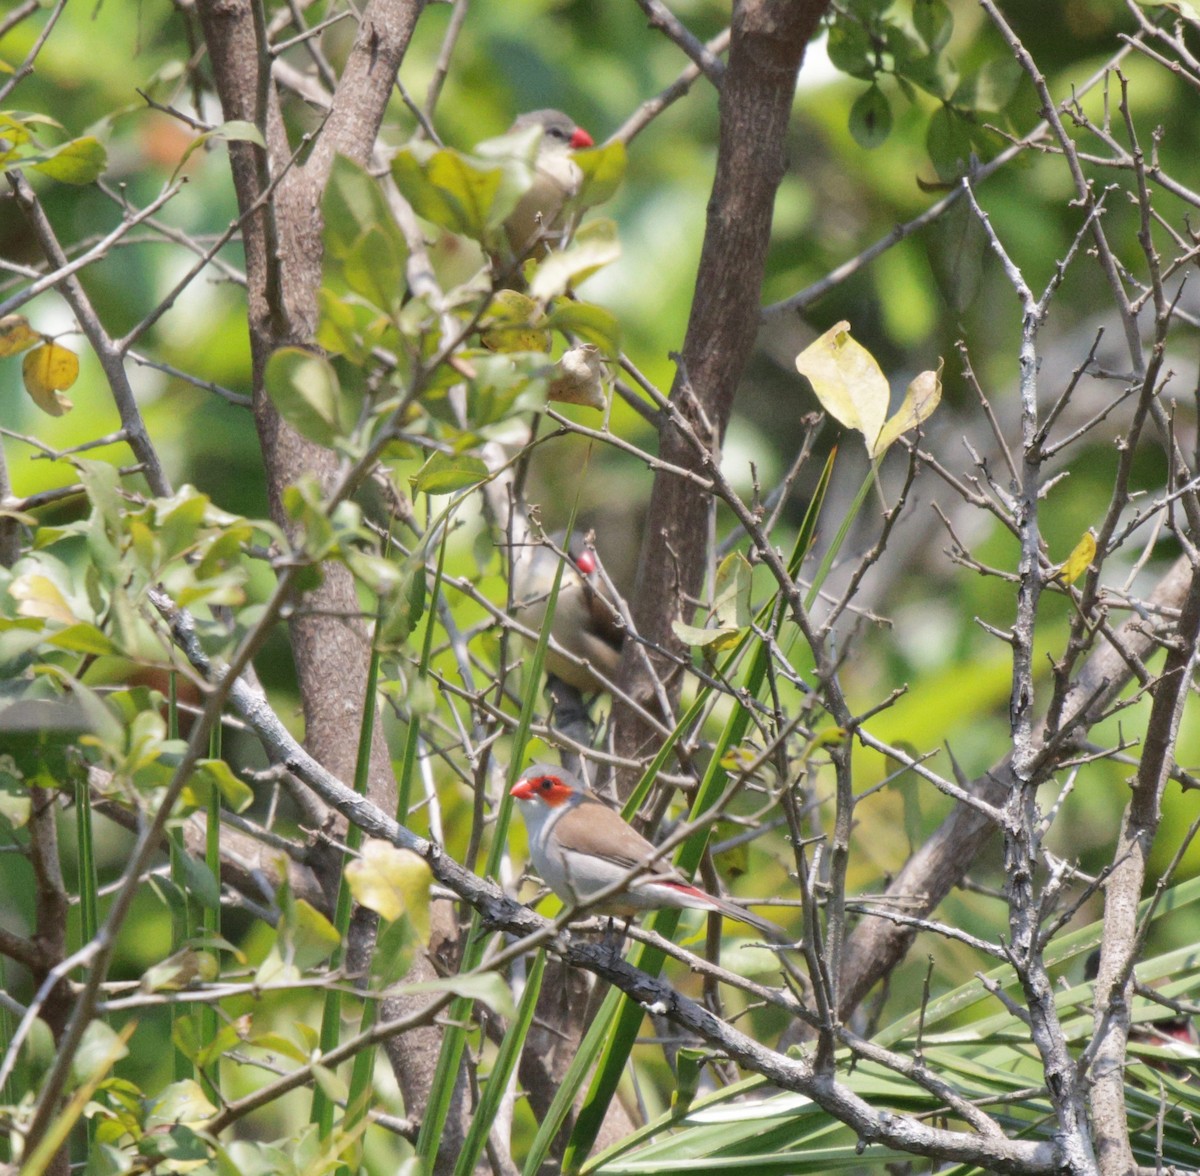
580	846
536	219
587	625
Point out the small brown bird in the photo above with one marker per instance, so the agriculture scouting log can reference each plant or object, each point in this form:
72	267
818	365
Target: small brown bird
587	633
535	222
580	846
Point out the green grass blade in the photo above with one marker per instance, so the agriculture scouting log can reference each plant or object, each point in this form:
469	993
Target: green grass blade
628	1020
506	1061
573	1080
322	1112
446	1074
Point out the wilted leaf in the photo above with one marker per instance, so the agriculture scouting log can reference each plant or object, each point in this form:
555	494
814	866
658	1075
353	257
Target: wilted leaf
16	335
921	397
1079	560
578	377
47	370
846	380
392	882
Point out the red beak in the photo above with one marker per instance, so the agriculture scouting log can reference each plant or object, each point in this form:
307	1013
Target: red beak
523	790
582	139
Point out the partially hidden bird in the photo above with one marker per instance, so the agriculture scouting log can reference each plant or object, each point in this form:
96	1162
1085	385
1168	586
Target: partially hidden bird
536	220
586	627
579	847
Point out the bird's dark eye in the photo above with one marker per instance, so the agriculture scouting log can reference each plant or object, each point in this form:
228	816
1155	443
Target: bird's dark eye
546	784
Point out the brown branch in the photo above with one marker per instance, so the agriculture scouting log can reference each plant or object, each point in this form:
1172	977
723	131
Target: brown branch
767	44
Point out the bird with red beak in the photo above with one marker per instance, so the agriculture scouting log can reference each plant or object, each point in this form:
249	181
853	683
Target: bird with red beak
586	632
581	847
536	222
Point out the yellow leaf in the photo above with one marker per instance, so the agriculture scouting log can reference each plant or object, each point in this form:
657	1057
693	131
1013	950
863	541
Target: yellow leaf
921	397
16	335
847	380
392	882
1079	560
40	597
510	324
47	370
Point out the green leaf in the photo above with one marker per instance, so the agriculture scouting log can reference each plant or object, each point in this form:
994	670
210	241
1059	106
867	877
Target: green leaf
15	800
591	323
444	473
305	389
181	1102
178	520
595	246
1188	11
374	269
957	244
932	72
395	948
731	597
603	170
351	206
309	936
466	195
98	1049
236	130
934	22
214	773
200	881
992	87
405	607
719	637
871	118
81	161
948	142
849	48
83	638
488	987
